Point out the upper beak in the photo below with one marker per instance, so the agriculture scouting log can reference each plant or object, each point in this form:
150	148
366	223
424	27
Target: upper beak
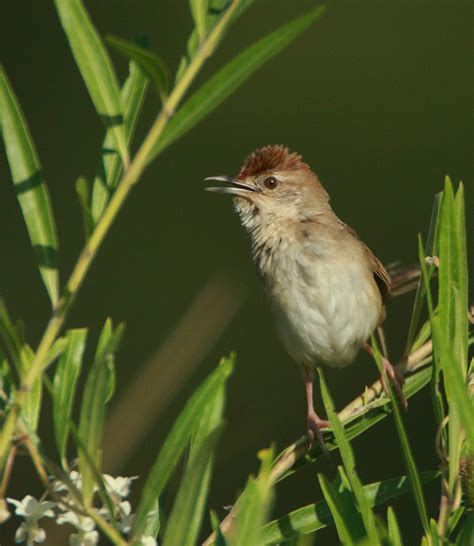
237	187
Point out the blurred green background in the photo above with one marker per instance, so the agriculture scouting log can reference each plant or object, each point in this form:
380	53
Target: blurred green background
377	98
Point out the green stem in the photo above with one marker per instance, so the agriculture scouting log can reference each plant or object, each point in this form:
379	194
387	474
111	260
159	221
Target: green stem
130	177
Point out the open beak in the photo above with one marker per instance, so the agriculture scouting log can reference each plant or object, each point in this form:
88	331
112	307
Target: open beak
236	187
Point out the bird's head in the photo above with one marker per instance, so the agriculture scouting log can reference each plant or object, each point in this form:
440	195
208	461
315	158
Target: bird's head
274	185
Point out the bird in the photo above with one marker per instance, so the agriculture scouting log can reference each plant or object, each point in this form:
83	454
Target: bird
326	289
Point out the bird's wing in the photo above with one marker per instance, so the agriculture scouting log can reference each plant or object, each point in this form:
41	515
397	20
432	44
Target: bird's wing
381	275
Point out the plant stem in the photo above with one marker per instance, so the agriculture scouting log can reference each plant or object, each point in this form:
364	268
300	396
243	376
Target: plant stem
129	179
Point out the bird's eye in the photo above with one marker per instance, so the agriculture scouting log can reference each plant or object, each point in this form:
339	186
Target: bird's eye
271	182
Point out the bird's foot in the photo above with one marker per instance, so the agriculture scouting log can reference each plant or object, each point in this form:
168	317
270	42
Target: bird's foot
315	424
397	380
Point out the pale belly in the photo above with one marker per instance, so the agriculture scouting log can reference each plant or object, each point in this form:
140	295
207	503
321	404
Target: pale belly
324	311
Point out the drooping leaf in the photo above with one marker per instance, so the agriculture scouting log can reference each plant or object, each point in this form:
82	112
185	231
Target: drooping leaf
176	441
254	506
30	186
229	78
151	64
65	379
313	517
107	178
96	394
96	69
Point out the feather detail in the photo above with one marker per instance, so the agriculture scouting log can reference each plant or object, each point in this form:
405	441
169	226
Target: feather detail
271	159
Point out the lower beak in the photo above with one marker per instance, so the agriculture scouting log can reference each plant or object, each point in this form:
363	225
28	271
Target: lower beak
236	186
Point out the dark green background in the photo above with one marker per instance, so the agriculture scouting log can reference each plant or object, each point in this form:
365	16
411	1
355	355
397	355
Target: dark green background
376	97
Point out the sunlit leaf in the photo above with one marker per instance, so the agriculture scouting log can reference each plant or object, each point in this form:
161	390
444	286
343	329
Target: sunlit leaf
393	528
254	506
96	69
30	186
199	11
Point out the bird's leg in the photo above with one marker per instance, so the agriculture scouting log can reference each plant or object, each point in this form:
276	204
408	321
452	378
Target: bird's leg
396	378
315	423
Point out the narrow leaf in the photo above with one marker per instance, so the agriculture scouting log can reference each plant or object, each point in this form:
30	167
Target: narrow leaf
64	386
199	12
152	65
176	441
183	525
84	193
92	416
393	528
409	459
333	501
133	94
349	464
30	186
229	78
313	517
254	506
96	69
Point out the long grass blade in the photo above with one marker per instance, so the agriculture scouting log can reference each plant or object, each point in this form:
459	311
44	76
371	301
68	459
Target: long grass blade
394	532
30	186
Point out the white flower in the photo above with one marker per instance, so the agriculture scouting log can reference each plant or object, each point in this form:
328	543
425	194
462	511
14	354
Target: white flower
75	478
86	535
32	510
119	486
84	539
126	518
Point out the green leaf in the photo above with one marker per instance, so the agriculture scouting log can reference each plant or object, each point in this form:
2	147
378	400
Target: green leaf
430	250
30	186
176	442
199	12
84	193
254	506
334	502
349	464
184	524
151	64
313	517
21	354
96	393
466	533
110	169
409	459
393	528
65	379
96	69
229	78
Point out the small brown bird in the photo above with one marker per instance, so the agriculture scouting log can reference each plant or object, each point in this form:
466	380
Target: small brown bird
326	289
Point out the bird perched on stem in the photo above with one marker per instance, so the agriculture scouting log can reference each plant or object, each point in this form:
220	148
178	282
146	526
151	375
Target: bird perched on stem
326	289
